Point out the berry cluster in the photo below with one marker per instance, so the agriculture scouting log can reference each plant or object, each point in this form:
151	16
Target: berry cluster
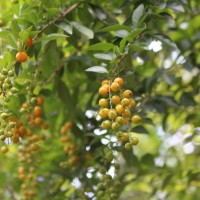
117	110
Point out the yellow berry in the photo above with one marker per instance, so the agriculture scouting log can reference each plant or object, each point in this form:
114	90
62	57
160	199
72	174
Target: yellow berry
115	99
125	101
104	112
106	124
103	91
136	119
112	114
115	87
103	102
127	94
119	80
119	108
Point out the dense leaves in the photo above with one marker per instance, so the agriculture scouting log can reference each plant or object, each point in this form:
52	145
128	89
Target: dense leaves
57	149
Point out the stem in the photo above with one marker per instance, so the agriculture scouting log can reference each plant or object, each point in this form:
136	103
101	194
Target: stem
117	65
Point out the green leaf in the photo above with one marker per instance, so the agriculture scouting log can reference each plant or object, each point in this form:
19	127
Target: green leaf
66	27
140	129
53	36
134	47
137	14
97	69
15	28
84	30
101	46
105	56
114	28
121	33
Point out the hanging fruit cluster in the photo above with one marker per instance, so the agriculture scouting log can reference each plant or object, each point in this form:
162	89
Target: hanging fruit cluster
117	110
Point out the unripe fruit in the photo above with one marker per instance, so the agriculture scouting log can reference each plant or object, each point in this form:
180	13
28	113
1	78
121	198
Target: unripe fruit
4	71
112	114
4	115
21	56
106	124
119	108
119	120
132	104
127	94
126	113
124	137
115	99
115	87
104	112
128	146
29	42
4	149
134	141
136	119
125	101
103	91
119	80
115	126
103	102
11	73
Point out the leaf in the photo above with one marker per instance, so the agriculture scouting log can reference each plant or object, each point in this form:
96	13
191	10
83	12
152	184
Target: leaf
104	56
114	28
15	28
84	30
53	36
101	46
66	27
97	69
121	33
137	14
140	129
135	47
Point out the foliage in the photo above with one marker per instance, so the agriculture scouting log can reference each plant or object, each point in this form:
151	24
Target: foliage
57	149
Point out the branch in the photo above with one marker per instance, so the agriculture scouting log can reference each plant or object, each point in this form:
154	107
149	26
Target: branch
117	65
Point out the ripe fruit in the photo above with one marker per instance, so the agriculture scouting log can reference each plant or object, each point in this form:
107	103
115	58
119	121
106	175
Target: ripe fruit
38	121
40	100
104	112
4	149
115	126
127	94
103	102
125	101
105	82
115	99
119	80
103	91
126	113
134	141
21	56
132	104
136	119
119	108
115	87
37	111
29	42
119	120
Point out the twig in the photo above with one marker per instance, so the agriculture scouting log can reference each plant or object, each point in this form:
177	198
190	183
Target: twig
117	65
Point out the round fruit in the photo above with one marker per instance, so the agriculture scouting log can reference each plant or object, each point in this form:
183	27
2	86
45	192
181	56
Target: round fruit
119	80
127	94
126	113
115	99
132	104
38	121
37	111
119	120
103	102
128	146
21	56
125	101
115	126
115	86
40	100
29	42
106	124
134	141
4	149
105	82
103	91
104	112
112	114
136	119
119	108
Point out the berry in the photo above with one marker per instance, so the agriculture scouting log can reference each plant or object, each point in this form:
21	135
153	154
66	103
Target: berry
37	111
119	120
103	102
21	56
4	149
115	99
115	126
128	146
126	113
132	104
105	82
40	100
115	87
127	94
119	80
125	101
104	112
106	124
29	42
112	114
134	140
103	91
136	119
119	108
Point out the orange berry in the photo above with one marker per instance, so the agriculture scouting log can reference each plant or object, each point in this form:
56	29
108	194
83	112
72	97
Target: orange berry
119	80
132	104
65	139
105	82
40	100
38	121
103	102
103	91
127	94
119	108
21	56
115	87
68	125
136	119
115	99
37	111
29	42
104	112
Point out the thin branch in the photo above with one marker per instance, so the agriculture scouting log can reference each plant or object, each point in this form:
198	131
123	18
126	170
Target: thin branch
117	65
